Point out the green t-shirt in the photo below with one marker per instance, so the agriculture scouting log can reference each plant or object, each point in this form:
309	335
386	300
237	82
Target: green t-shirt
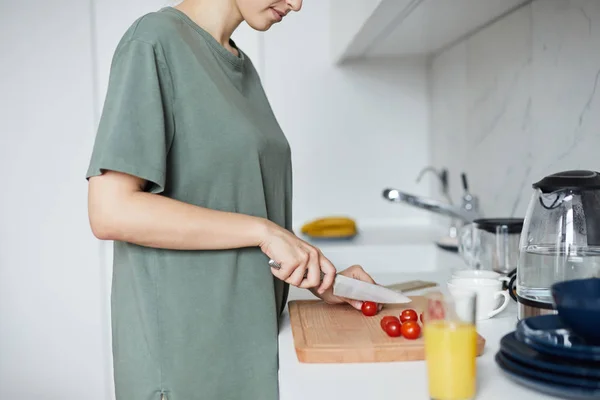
192	119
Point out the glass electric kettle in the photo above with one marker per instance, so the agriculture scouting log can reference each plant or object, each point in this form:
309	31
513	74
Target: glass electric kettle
560	239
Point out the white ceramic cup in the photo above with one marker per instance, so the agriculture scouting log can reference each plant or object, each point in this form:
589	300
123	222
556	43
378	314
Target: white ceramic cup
480	273
488	291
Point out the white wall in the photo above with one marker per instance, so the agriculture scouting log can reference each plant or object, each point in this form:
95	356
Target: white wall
354	130
520	100
51	308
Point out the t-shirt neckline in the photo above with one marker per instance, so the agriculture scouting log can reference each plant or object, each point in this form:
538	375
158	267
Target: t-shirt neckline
236	61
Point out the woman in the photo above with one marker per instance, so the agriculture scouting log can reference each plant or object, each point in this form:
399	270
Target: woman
191	177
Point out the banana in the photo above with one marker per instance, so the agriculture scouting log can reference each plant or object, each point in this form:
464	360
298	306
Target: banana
333	232
330	227
329	222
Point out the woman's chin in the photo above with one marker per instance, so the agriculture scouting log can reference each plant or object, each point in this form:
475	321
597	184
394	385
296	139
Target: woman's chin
260	26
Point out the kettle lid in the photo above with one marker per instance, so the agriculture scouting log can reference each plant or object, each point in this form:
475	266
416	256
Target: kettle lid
577	179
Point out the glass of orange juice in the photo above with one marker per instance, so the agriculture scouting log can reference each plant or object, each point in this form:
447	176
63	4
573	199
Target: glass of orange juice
451	345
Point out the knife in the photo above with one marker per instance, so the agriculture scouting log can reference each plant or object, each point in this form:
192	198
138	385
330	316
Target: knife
355	289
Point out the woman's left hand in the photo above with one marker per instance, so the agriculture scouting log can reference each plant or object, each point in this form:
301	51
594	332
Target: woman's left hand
355	272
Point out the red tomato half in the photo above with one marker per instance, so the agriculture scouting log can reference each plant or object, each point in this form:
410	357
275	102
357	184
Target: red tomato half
436	310
369	308
409	315
393	328
411	330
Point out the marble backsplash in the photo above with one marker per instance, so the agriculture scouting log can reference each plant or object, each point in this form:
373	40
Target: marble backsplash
517	101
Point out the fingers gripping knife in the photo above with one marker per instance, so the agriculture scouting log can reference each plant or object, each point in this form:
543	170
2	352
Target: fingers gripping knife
358	290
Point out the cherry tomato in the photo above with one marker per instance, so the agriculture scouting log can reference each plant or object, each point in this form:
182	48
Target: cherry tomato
387	319
393	328
369	308
409	315
411	330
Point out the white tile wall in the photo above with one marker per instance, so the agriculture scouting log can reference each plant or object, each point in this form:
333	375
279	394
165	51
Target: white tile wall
519	100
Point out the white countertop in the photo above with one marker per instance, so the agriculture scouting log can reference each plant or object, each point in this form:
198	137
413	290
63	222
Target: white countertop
405	380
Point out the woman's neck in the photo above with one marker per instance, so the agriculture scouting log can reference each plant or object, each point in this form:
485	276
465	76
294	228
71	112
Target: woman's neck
218	17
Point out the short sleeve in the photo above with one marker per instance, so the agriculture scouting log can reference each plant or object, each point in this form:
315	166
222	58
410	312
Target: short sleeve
136	127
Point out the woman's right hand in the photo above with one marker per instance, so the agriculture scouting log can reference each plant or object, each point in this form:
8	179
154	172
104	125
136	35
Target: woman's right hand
301	263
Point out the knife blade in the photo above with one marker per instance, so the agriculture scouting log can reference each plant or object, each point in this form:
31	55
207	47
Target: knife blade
355	289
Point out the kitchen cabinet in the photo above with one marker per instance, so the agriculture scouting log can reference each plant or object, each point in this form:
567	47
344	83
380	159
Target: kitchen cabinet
387	28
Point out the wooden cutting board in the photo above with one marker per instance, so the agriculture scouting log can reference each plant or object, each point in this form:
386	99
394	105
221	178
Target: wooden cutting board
326	333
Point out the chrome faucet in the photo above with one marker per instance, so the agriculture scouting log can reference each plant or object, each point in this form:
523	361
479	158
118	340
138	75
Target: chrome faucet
467	212
442	175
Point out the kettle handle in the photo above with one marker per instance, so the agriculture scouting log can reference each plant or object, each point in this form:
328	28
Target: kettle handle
511	288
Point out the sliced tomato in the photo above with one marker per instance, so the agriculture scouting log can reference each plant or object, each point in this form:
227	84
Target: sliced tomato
436	310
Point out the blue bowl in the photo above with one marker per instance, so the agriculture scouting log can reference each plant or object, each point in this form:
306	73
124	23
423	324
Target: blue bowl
578	305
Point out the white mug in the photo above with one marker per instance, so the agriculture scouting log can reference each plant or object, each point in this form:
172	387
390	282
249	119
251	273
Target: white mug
488	292
480	273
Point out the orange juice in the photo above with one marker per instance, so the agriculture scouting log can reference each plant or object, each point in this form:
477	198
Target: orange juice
451	351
